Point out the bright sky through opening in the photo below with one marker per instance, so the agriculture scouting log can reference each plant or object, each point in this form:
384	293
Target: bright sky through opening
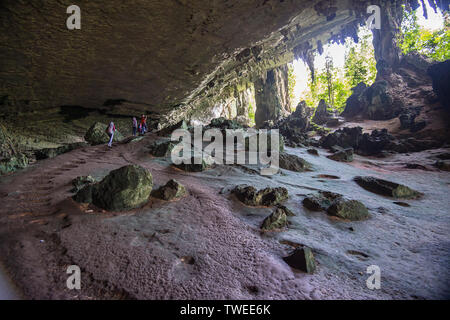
337	52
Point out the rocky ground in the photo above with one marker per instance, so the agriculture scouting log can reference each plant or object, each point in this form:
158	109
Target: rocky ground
209	245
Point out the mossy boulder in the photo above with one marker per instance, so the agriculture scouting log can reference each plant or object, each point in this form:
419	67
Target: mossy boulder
387	188
292	162
302	259
13	163
223	123
123	189
321	201
170	191
162	148
349	209
96	134
199	161
277	219
264	197
345	155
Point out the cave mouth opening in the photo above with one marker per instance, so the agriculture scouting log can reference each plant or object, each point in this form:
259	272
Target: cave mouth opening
340	67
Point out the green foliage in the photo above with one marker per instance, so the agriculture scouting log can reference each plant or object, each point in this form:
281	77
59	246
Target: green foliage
360	64
333	84
414	38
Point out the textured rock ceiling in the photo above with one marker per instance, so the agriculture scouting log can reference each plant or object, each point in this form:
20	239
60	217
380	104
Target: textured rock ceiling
160	54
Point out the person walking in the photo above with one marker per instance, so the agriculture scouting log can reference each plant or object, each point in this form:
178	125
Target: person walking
110	131
143	124
134	126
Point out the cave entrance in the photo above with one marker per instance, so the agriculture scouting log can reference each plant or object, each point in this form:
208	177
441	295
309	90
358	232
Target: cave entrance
336	70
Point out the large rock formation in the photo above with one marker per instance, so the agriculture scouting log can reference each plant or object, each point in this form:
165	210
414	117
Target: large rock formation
376	102
272	96
171	57
322	115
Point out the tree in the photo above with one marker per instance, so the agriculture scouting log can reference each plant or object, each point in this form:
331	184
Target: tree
360	64
414	38
333	84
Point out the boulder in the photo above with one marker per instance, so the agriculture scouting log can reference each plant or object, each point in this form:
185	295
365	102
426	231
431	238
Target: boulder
276	220
170	191
356	103
80	182
344	138
162	148
313	151
321	201
348	209
345	155
293	128
196	166
223	124
363	144
13	163
302	259
249	195
382	105
293	163
443	165
374	143
96	134
376	102
322	115
386	188
123	189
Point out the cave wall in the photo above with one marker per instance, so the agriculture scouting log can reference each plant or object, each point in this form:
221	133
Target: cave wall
174	57
272	95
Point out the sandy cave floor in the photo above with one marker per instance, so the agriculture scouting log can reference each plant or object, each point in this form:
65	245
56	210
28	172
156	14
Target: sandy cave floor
208	245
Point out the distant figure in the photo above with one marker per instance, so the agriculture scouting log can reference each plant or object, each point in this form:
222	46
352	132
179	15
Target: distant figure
110	131
134	126
143	124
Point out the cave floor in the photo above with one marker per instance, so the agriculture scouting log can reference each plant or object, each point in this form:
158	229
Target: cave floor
209	246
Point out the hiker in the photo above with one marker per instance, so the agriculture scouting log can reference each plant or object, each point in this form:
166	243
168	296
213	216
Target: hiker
110	131
134	126
143	124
